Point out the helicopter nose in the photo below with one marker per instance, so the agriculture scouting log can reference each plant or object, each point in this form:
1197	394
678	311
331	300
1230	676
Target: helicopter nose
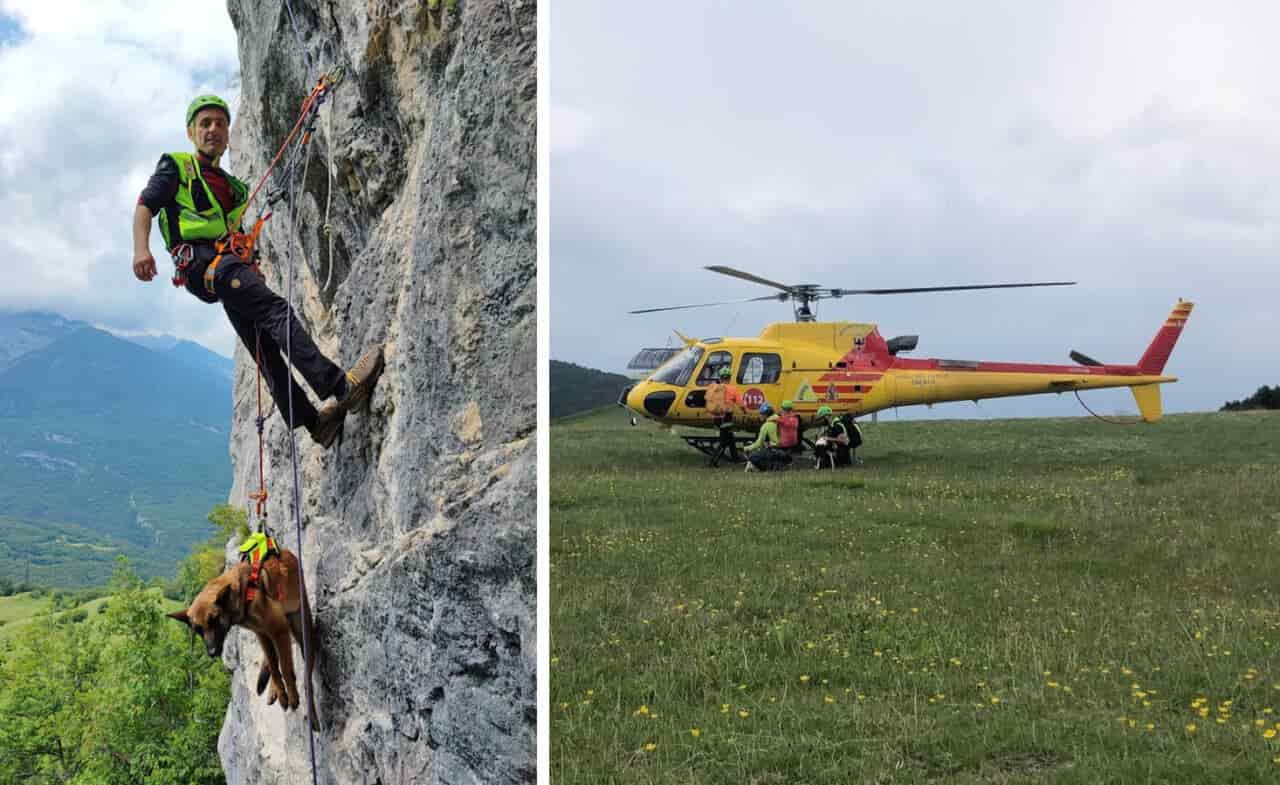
633	397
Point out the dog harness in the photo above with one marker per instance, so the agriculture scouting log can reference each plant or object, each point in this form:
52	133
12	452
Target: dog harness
257	550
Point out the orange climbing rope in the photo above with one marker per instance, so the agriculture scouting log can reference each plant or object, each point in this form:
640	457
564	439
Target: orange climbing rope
310	104
242	244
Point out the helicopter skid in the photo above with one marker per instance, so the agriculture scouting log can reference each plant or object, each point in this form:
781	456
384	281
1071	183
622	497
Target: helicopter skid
707	445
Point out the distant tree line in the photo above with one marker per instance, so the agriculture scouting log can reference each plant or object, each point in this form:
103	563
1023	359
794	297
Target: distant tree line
575	389
1265	398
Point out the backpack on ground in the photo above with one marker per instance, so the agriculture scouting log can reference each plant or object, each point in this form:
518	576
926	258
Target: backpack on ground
851	428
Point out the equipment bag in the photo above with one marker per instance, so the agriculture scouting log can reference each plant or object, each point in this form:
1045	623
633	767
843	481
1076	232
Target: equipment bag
851	428
788	431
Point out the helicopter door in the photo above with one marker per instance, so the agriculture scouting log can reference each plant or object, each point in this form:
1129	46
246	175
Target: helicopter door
697	399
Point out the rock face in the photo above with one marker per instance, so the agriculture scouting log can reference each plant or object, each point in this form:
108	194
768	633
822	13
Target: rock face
419	527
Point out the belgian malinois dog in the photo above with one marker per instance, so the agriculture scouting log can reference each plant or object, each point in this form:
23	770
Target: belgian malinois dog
275	612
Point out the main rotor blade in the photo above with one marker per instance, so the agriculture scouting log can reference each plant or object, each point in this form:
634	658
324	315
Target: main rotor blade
842	292
749	277
706	305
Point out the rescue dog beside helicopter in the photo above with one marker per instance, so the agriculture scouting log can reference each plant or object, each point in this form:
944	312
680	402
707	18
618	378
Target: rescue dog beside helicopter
273	610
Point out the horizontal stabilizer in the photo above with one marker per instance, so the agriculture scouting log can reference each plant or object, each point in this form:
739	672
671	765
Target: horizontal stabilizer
1083	359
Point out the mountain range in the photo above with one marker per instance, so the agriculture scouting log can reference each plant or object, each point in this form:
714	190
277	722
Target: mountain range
107	448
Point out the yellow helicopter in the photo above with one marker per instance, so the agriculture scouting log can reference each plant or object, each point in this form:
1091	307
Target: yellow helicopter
850	367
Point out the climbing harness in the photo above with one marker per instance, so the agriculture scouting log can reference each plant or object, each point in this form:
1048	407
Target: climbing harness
258	549
182	254
242	246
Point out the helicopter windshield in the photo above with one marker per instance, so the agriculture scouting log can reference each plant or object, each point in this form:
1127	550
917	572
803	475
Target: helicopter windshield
678	369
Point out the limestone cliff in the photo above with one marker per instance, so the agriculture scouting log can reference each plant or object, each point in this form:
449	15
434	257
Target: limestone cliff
419	528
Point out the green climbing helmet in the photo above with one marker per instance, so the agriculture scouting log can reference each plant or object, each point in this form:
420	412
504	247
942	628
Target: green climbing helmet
824	411
203	101
725	373
786	406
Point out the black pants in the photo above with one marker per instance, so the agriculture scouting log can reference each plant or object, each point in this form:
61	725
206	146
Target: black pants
770	459
260	316
724	425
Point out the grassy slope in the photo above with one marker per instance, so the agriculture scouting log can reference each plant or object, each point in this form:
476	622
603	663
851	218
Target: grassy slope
1049	601
22	606
20	609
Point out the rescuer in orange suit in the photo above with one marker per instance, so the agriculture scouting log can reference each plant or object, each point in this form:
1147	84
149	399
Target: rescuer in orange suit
722	398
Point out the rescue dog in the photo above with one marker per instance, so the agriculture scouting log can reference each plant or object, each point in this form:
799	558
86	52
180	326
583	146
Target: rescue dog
274	613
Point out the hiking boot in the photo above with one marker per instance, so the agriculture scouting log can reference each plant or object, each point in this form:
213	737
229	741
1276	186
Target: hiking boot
328	425
361	378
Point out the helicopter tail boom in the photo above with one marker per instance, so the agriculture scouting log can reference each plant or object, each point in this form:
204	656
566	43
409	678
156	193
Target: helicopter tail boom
1157	354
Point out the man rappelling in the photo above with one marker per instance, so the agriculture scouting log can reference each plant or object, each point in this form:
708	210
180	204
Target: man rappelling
200	207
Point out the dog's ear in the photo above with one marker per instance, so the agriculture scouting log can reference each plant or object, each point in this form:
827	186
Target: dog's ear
224	597
180	616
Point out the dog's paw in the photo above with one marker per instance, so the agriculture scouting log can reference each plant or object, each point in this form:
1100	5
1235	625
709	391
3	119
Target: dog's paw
264	676
274	696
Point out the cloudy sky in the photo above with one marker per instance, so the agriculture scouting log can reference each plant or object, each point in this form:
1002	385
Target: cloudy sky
1133	147
93	94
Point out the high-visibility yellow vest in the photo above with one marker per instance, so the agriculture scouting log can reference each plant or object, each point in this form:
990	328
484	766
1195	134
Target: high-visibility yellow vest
199	215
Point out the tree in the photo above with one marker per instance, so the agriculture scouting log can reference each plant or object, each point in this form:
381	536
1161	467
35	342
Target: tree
1265	398
121	697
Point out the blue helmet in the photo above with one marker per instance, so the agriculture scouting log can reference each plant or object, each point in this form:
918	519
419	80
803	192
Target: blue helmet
766	409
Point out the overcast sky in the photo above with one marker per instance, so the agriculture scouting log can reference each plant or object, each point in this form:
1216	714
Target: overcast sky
1133	147
93	93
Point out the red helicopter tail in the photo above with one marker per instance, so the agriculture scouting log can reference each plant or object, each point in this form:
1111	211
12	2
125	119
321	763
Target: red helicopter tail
1157	354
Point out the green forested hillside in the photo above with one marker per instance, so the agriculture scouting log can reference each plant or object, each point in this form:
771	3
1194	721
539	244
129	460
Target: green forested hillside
577	389
110	691
107	449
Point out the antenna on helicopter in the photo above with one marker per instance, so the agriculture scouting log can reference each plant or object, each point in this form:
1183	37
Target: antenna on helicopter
802	295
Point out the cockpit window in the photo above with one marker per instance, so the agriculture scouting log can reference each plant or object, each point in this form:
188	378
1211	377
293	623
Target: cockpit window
678	369
711	370
759	369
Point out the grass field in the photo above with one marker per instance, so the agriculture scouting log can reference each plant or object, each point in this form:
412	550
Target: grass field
22	606
1016	601
19	609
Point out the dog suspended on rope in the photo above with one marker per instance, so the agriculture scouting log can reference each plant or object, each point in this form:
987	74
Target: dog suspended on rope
262	594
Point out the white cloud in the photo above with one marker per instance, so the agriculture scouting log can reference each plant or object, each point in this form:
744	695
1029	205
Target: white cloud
94	93
572	128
